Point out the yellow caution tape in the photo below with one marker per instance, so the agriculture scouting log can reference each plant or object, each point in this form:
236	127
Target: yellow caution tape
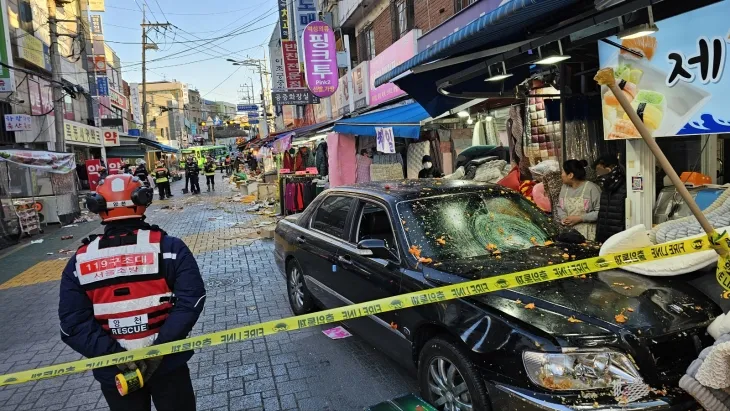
414	299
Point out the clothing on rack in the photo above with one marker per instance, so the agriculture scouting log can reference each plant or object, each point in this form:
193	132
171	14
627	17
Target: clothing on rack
298	194
322	159
288	161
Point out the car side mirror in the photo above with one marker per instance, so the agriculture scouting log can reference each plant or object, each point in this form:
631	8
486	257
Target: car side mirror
377	248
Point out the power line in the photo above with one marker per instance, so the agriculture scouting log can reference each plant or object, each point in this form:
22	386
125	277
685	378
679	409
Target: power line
192	14
224	80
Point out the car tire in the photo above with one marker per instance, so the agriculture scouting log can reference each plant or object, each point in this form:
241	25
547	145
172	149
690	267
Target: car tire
300	299
449	380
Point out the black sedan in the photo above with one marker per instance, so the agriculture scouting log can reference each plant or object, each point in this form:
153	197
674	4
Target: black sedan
562	345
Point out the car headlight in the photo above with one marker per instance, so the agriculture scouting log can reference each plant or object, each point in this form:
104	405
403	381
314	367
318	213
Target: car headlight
580	370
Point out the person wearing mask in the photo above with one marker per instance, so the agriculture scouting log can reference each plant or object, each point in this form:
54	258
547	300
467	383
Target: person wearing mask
162	297
162	180
192	171
429	170
612	214
209	171
579	200
142	173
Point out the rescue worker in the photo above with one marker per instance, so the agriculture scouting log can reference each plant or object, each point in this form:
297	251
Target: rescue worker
209	170
155	298
162	180
192	171
142	173
127	168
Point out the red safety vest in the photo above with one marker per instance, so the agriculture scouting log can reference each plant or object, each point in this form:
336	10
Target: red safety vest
126	285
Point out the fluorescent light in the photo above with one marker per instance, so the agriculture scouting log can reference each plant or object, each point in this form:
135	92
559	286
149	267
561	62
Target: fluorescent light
469	121
463	114
553	59
641	30
499	77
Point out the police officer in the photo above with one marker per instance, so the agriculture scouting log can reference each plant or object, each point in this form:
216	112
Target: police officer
192	171
209	170
162	180
155	297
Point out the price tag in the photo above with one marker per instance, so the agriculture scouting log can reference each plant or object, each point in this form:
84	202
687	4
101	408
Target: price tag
312	170
284	171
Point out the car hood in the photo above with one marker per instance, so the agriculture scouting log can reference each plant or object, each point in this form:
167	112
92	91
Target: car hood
597	303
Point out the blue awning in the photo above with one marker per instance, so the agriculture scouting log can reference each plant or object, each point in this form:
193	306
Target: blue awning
405	121
498	25
157	146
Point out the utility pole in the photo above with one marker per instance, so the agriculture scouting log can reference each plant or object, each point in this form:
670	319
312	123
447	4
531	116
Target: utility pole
56	75
145	46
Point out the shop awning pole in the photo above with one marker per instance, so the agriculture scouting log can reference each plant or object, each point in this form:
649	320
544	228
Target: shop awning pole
605	77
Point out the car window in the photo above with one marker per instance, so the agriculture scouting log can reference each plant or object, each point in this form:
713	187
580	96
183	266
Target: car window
473	224
331	216
374	224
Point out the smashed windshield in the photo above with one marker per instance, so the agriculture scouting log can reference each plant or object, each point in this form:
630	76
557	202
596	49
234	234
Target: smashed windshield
473	224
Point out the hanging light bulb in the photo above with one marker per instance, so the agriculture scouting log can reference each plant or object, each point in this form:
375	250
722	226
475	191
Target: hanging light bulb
469	121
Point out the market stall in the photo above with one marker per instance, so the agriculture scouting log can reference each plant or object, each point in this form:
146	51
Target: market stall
37	188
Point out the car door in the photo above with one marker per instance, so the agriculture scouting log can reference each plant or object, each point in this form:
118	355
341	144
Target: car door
362	278
319	242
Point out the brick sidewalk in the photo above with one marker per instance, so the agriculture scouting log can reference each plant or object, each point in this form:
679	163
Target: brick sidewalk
300	370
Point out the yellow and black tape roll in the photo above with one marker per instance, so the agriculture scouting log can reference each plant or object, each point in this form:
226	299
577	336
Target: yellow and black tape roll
449	292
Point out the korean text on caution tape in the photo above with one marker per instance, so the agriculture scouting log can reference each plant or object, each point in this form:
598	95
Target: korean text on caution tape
414	299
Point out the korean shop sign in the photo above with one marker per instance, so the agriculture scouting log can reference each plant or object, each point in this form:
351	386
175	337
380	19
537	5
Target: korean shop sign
305	12
395	55
81	134
291	65
118	99
294	97
320	59
283	19
680	84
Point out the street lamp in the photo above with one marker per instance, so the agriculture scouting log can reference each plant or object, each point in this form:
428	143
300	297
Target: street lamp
260	66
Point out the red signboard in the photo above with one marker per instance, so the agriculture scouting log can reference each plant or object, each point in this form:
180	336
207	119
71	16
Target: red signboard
114	165
93	167
291	64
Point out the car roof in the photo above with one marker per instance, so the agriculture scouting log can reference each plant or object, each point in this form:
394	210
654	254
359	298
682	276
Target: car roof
404	190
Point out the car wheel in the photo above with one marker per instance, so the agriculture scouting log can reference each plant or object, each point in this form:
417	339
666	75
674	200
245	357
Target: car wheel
299	297
448	379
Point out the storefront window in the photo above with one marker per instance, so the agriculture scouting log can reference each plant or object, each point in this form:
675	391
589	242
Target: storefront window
68	108
459	5
402	18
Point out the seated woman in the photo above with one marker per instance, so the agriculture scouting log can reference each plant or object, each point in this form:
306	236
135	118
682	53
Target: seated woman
579	200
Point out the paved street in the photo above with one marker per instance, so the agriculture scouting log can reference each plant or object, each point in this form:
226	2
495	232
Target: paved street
301	370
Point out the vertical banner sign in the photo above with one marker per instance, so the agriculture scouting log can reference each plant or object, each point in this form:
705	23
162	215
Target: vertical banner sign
320	59
135	102
385	139
96	26
276	61
7	79
305	12
114	165
93	167
291	64
284	19
102	86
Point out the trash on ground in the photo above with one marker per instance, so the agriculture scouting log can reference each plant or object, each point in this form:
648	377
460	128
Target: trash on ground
49	253
214	218
70	225
37	241
67	237
337	333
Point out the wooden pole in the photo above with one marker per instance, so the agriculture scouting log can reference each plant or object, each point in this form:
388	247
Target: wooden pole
605	77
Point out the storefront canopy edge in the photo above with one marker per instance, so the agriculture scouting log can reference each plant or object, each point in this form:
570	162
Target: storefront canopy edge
405	121
506	20
158	146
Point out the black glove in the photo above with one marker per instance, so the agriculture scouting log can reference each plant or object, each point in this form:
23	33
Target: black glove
146	367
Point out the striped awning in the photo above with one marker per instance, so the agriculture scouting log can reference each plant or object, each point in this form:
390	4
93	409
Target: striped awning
501	23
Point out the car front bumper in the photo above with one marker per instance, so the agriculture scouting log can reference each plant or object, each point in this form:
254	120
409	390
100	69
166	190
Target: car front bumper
505	397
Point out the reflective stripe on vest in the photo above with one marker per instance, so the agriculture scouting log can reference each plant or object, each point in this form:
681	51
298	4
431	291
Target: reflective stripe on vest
129	293
161	175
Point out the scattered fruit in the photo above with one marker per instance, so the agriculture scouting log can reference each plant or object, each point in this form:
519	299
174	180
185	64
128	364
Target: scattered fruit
530	306
572	319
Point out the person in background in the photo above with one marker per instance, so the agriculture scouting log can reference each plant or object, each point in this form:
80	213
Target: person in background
126	168
429	170
209	170
192	172
103	172
252	163
612	214
227	164
162	179
364	161
162	297
142	173
579	200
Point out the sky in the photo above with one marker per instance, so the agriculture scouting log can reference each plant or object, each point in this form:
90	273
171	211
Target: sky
194	51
